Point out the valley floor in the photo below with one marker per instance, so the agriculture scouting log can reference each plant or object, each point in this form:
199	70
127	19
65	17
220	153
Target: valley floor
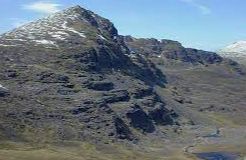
178	149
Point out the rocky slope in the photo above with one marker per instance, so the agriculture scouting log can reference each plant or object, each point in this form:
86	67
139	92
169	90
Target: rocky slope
235	51
71	78
71	74
202	67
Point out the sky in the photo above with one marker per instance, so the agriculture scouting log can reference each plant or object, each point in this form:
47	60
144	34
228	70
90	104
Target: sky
202	24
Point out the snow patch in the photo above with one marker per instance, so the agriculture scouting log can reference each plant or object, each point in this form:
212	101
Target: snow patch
45	42
64	25
59	35
1	86
22	40
54	27
62	33
102	37
56	36
133	56
7	45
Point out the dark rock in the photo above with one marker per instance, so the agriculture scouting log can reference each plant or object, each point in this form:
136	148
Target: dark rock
180	100
171	50
203	57
146	71
140	120
50	77
11	73
3	92
116	96
161	116
122	130
79	110
101	85
84	107
68	85
142	92
236	66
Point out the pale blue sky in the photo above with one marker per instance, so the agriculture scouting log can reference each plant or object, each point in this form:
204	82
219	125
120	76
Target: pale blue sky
205	24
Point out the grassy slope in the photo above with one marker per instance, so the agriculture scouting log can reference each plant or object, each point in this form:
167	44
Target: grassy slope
217	86
83	151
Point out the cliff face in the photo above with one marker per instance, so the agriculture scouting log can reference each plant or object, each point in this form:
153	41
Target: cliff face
171	50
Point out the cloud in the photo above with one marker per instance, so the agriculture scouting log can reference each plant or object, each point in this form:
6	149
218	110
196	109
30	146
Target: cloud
42	7
203	9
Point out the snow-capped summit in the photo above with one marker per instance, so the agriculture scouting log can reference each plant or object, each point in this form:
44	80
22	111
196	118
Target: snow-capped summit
235	51
239	47
72	24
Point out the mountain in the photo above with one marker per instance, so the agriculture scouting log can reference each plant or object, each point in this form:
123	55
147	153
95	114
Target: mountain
71	87
235	51
70	69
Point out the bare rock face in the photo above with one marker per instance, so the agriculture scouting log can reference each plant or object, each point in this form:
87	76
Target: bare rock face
140	120
162	116
171	50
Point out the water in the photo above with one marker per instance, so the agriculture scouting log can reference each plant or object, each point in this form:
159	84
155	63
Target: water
217	156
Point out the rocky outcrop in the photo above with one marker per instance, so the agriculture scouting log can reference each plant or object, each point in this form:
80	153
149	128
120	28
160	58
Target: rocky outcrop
171	50
203	57
162	116
142	92
3	92
50	77
140	120
116	96
101	85
122	130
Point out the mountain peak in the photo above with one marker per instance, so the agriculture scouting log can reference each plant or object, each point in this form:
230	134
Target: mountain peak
76	7
67	26
236	47
235	51
74	10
